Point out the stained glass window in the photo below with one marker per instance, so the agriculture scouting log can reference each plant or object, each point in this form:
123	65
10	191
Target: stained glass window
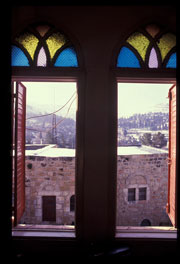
148	48
67	58
43	46
18	57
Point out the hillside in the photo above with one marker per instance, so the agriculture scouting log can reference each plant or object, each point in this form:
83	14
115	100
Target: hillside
39	128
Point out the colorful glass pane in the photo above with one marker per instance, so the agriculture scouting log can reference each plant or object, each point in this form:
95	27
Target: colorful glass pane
127	58
29	41
55	42
153	30
172	61
42	60
153	61
166	43
67	58
18	58
139	42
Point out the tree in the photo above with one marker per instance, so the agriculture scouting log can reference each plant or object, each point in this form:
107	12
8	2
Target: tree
146	139
158	140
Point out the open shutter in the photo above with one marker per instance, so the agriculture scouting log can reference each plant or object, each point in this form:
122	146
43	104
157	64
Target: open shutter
20	112
171	207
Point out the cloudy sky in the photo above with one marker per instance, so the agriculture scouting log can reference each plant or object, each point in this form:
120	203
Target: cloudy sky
50	96
142	98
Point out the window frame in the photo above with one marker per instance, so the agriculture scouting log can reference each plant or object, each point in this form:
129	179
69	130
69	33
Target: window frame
28	74
128	75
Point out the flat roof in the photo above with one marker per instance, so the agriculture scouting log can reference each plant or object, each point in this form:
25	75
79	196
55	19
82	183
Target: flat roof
53	151
140	150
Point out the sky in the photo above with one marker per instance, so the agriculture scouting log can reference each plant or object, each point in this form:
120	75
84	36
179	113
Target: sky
132	97
50	96
142	98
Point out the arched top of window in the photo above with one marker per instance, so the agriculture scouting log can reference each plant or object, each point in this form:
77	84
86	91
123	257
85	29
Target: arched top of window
43	46
148	47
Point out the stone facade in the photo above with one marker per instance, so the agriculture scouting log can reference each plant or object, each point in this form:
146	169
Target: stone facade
55	176
48	176
142	171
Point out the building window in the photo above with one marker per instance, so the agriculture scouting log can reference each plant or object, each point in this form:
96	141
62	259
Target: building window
131	194
149	47
142	193
44	138
147	54
43	46
72	203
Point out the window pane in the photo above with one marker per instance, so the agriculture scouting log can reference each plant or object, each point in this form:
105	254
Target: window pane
166	43
42	60
172	61
131	194
142	193
67	58
55	42
140	43
18	58
153	61
29	41
127	58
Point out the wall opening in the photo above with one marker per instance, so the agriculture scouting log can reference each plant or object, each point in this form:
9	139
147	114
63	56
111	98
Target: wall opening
50	153
142	154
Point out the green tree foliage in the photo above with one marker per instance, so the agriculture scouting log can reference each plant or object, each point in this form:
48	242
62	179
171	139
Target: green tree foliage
146	139
157	140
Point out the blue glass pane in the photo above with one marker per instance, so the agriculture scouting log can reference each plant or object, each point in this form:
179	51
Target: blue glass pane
127	58
172	61
18	58
67	58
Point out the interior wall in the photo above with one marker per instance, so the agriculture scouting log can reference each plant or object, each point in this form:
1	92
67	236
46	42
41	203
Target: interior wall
98	32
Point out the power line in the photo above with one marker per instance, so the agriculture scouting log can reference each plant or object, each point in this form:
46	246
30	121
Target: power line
55	124
54	111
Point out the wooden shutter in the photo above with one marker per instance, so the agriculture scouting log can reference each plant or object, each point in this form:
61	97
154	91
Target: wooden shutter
171	207
20	113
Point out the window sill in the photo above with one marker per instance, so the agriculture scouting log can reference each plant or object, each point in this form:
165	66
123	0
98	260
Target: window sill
146	232
63	231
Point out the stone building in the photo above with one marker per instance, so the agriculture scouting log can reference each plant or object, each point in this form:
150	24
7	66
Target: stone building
142	176
142	186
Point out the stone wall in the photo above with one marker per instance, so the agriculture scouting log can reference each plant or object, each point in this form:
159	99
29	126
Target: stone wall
46	176
138	171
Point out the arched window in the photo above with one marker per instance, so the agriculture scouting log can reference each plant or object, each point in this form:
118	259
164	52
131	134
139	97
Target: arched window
149	47
43	46
72	203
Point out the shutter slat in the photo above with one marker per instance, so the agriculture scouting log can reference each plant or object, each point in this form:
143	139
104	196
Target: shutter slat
171	206
20	151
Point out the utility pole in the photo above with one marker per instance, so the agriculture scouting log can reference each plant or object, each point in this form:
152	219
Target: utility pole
54	130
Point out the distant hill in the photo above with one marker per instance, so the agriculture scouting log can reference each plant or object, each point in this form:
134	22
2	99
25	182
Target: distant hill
151	121
39	128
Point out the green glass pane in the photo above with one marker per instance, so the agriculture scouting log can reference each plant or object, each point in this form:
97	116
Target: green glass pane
166	43
29	41
139	42
55	42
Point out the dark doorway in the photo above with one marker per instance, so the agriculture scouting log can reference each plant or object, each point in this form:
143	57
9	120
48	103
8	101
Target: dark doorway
49	208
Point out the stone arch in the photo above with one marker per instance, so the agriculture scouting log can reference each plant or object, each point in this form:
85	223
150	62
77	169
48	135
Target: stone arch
136	180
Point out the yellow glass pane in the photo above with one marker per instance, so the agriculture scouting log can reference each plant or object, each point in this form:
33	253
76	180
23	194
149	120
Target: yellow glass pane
166	43
139	42
29	41
55	42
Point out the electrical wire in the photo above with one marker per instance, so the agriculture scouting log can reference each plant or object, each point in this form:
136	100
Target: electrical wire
54	111
58	122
